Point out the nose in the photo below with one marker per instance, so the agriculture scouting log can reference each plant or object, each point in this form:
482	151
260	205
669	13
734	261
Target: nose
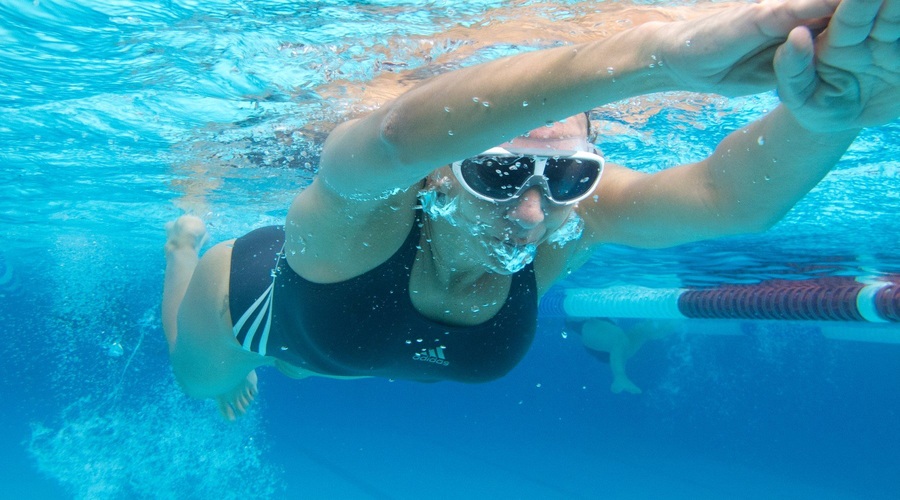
528	212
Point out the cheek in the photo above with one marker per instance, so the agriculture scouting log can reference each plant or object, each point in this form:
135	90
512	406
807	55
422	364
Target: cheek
475	216
479	210
554	212
570	229
556	217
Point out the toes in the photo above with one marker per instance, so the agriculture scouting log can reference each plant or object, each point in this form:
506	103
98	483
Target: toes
226	410
236	406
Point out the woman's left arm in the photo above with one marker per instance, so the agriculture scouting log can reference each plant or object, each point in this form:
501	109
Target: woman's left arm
831	86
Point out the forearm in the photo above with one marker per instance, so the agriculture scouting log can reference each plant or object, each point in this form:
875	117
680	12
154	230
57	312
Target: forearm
753	178
759	172
830	87
478	107
459	114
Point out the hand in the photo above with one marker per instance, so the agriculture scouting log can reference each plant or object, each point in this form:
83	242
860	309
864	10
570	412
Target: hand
730	52
849	77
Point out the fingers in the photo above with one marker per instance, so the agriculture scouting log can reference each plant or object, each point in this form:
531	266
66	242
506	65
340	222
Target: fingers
887	24
794	68
786	16
853	22
810	9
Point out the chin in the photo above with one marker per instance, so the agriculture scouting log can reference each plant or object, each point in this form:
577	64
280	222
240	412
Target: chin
496	268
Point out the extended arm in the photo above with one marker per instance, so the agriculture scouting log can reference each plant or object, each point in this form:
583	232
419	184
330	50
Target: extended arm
845	79
464	112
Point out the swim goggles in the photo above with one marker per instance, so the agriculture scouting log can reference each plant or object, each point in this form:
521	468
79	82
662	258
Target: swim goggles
500	175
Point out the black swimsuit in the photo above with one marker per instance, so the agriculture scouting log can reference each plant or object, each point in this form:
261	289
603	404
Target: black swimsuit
367	325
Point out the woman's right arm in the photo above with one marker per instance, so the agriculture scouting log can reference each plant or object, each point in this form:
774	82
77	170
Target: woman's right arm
461	113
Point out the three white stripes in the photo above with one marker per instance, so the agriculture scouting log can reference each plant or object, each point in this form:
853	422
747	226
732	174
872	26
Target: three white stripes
261	312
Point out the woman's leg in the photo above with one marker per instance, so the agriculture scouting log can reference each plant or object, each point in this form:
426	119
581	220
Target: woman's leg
184	237
207	360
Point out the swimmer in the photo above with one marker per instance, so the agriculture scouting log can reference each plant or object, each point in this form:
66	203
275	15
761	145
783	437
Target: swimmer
435	223
612	344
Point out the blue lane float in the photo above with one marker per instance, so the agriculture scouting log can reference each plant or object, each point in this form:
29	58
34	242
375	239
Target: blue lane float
821	299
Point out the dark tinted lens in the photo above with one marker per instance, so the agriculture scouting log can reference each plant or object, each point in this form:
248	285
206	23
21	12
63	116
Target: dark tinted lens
498	177
570	178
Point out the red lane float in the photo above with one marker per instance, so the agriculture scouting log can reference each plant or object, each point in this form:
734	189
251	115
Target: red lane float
820	299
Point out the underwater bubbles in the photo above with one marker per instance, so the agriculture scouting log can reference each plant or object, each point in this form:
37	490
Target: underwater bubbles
512	258
159	445
438	205
115	350
571	230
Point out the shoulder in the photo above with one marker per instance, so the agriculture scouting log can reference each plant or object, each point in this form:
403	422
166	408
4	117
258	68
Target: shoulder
332	238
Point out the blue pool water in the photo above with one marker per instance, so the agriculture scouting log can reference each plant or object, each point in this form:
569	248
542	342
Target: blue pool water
117	115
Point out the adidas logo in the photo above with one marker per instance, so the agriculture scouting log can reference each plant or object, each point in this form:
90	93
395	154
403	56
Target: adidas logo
435	356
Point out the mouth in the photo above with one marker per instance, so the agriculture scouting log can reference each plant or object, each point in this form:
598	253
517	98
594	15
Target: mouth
510	242
511	257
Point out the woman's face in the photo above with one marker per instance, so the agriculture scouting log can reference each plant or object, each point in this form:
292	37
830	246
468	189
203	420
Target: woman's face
504	236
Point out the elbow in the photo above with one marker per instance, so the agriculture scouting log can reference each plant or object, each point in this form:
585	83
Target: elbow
408	143
389	130
393	137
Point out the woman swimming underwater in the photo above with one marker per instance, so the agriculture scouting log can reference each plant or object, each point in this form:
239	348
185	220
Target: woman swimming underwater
434	225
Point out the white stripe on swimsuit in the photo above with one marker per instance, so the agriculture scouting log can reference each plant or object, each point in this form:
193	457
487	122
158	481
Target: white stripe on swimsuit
263	309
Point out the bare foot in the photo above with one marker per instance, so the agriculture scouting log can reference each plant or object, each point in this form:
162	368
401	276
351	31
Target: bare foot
621	385
185	232
234	403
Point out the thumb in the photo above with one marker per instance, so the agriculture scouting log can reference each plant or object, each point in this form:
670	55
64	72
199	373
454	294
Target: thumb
794	68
